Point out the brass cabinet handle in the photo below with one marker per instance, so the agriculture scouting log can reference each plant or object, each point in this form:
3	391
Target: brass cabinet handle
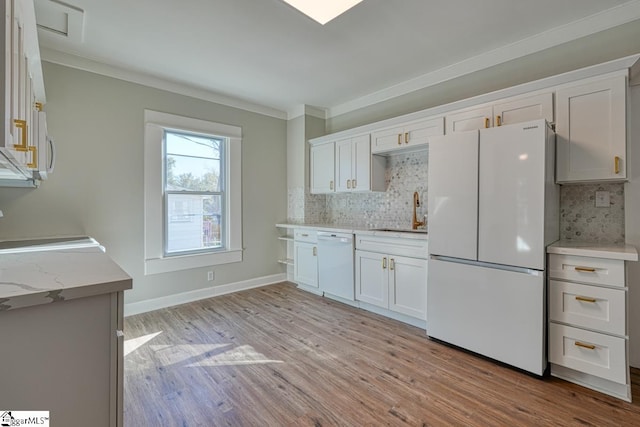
392	264
348	183
384	263
330	185
21	124
583	345
406	137
399	139
586	269
353	183
38	106
616	165
498	120
315	251
585	299
34	158
486	122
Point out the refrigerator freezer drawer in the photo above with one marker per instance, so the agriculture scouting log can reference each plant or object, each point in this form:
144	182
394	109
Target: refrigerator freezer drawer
600	271
591	352
497	313
592	307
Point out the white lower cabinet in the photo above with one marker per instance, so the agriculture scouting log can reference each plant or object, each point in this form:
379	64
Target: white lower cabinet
391	281
588	340
305	257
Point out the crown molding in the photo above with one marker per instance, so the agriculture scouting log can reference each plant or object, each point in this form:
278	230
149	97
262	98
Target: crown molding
96	67
306	110
584	27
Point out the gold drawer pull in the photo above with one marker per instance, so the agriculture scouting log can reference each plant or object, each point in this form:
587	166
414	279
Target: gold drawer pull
586	269
399	139
616	165
585	299
349	183
34	157
21	124
392	264
384	263
406	137
498	121
583	345
353	183
486	122
330	185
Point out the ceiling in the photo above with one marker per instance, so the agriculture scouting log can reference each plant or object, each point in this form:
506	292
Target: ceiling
266	53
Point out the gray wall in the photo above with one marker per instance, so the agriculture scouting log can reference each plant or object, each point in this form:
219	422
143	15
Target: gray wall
97	187
594	49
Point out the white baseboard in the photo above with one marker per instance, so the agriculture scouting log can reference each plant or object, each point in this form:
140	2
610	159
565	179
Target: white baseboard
198	294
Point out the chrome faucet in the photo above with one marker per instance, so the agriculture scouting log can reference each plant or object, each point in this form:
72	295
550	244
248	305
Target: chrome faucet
416	202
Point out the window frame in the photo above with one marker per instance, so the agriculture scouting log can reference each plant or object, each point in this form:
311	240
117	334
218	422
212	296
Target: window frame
155	258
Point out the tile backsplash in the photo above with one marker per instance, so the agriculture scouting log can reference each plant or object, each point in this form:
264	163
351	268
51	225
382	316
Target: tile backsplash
580	220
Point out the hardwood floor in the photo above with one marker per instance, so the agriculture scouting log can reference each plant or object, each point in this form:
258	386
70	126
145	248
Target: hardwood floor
278	356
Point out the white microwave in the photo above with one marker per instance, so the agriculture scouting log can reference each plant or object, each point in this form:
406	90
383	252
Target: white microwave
46	149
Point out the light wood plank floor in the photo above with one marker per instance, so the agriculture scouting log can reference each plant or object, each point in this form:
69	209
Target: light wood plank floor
278	356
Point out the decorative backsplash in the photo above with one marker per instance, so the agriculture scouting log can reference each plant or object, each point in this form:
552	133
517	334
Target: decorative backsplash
580	220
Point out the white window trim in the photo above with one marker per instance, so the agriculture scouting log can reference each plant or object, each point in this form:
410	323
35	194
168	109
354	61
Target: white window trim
154	260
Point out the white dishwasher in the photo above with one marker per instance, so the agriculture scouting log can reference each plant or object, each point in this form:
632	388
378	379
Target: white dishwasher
335	264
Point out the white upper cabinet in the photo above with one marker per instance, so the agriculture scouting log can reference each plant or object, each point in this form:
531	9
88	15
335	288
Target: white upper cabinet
412	135
504	112
322	174
356	170
591	131
18	149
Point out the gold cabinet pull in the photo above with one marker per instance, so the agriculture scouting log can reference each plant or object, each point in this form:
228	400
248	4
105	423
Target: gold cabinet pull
353	183
384	263
38	106
315	251
616	165
586	269
399	139
392	264
21	124
330	185
34	158
406	137
585	299
583	345
498	120
486	122
348	183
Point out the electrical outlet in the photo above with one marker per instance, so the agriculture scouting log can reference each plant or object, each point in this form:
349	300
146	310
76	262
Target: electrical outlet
603	199
210	275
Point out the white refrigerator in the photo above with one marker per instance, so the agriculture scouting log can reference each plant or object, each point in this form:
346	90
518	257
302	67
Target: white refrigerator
493	209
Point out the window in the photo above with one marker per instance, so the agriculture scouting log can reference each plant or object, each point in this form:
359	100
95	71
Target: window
192	193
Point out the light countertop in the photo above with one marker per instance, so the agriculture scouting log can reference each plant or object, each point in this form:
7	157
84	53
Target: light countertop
595	250
41	277
360	229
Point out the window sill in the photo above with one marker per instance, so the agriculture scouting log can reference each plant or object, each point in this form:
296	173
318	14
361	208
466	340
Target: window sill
186	262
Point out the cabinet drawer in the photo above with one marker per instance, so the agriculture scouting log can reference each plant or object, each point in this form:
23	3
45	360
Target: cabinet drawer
414	248
593	353
588	306
600	271
305	235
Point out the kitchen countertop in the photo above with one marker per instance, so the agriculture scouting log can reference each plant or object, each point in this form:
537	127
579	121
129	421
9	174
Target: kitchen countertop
360	229
595	250
42	277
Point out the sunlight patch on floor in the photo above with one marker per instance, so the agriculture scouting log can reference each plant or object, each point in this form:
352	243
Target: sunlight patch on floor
135	343
193	355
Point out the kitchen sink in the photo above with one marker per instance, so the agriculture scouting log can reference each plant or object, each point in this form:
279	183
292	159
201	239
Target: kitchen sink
400	230
46	244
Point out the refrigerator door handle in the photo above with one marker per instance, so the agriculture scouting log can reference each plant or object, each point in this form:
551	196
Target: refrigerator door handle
512	268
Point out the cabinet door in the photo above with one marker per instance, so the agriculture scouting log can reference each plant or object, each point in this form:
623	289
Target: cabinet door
408	286
372	279
478	118
305	262
591	131
418	133
361	163
386	140
520	110
344	163
322	160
